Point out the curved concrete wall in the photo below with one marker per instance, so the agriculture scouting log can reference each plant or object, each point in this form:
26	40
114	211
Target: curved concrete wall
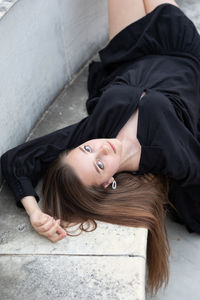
43	43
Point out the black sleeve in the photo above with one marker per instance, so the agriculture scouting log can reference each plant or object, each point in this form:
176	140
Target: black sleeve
25	164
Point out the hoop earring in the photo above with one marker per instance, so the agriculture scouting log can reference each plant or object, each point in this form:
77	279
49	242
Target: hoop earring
114	185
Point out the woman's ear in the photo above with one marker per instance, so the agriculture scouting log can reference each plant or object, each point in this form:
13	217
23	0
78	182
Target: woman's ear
106	184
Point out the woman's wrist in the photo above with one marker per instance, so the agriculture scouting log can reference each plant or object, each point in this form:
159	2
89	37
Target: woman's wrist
30	204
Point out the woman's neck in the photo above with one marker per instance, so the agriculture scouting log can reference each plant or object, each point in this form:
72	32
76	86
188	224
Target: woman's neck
130	156
131	148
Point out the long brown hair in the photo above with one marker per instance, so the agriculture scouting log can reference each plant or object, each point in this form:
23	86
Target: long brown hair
138	201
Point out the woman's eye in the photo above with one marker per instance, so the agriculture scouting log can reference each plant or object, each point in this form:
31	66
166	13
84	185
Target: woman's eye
87	148
100	165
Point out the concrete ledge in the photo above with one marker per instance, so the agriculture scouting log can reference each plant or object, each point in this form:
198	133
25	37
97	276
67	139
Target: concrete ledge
70	278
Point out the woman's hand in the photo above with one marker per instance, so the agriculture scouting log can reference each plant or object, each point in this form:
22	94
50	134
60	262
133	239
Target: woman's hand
47	226
41	222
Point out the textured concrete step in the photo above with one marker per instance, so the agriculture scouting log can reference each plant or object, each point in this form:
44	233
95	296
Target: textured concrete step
66	278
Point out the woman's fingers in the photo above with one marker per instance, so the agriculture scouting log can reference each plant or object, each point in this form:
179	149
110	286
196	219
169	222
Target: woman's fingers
61	231
57	237
55	233
39	219
53	229
45	227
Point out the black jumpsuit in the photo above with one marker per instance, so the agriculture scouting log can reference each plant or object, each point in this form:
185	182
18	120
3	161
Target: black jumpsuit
159	54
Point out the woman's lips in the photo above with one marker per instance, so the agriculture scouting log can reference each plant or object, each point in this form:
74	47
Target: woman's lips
112	146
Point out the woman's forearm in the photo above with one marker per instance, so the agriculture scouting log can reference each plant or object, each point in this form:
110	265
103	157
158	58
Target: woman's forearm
30	204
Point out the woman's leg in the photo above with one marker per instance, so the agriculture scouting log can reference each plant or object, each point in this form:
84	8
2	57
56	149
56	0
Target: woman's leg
151	4
121	13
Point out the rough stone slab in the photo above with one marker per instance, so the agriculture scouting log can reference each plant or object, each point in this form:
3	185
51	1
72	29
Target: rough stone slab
18	237
69	278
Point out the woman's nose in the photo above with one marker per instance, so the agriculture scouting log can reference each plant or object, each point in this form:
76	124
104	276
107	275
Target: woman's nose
104	149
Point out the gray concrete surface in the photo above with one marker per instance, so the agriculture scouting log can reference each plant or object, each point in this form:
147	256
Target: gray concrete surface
109	263
65	277
43	44
184	283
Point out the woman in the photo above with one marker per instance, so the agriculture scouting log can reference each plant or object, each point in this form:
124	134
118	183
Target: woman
139	144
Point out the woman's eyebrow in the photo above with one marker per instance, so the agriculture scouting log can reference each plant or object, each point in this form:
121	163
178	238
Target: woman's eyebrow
81	149
97	169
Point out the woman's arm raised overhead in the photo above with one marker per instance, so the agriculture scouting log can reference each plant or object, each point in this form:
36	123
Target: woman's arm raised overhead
24	165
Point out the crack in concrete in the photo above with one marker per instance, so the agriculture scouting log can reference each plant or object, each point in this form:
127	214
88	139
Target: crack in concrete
95	255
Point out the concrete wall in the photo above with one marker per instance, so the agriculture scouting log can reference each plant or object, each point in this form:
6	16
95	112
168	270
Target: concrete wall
42	44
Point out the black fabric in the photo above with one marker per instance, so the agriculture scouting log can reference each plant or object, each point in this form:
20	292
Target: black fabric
159	54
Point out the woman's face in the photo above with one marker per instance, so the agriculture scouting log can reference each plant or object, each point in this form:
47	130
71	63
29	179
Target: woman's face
96	161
